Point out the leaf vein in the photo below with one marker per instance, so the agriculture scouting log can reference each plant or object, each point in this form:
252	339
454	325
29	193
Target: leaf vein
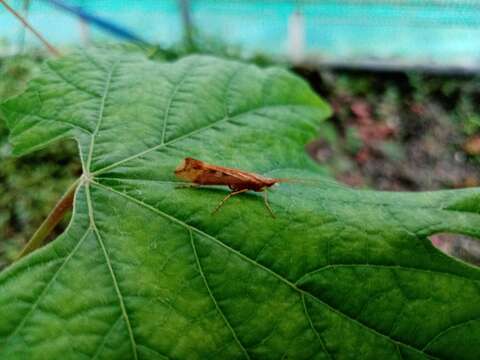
170	101
70	82
100	115
104	340
47	287
42	118
217	306
447	329
389	267
317	334
112	272
192	133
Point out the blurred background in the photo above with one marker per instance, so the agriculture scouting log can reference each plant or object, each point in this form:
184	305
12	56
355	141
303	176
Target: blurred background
401	76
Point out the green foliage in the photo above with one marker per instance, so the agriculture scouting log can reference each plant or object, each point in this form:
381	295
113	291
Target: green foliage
144	270
459	93
353	142
416	131
30	185
14	72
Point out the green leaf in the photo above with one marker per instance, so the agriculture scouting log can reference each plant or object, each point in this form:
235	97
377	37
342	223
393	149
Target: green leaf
144	270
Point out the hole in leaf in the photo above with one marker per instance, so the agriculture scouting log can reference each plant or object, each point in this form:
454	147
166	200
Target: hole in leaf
460	246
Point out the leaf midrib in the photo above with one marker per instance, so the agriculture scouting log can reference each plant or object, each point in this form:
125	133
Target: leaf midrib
92	224
101	110
336	199
111	271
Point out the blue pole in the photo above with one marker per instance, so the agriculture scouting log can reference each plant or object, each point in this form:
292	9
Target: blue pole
97	21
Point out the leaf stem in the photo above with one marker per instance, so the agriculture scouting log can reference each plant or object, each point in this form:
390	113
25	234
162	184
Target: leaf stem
56	215
25	23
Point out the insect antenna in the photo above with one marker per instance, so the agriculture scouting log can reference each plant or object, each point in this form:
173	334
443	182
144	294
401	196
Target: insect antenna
297	181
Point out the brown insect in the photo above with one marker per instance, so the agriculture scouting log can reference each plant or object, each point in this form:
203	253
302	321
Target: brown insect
201	173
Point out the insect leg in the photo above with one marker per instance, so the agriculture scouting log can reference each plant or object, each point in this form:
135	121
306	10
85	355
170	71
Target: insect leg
228	197
265	198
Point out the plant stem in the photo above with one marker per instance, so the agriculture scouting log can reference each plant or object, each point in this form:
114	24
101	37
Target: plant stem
55	216
25	23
